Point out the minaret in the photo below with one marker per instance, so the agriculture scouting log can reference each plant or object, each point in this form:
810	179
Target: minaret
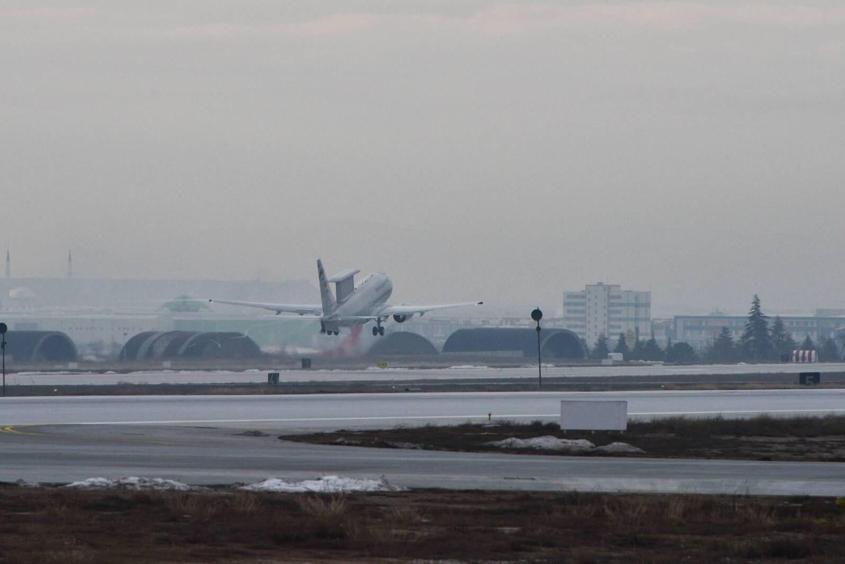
8	265
69	265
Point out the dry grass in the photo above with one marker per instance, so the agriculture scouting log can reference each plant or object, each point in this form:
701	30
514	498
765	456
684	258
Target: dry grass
47	525
763	438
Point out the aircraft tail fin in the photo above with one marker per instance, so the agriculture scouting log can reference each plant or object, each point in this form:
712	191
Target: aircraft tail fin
326	296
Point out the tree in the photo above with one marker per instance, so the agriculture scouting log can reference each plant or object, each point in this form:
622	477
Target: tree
637	351
756	343
681	353
601	349
782	342
829	351
652	351
807	344
622	346
723	348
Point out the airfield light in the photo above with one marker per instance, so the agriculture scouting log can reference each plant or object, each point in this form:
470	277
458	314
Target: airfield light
537	315
3	329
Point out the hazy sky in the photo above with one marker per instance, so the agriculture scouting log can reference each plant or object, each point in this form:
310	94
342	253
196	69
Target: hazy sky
499	150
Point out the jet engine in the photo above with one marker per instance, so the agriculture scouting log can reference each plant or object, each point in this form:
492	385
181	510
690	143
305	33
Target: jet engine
400	318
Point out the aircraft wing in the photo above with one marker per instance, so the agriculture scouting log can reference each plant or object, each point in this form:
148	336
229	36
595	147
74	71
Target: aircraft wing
410	310
300	309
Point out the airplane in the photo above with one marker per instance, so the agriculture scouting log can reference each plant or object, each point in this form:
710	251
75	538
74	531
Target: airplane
351	305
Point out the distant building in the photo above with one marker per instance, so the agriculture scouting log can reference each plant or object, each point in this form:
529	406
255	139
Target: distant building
59	294
661	329
102	314
701	330
607	309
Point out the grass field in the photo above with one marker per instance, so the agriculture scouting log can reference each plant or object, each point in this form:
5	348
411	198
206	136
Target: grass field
759	438
69	526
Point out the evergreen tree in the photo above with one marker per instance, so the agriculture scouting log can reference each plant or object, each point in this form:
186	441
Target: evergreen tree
601	349
637	351
829	351
723	348
782	342
652	351
807	344
756	343
681	353
622	346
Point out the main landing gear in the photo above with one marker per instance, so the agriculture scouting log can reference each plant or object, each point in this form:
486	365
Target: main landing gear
325	332
378	329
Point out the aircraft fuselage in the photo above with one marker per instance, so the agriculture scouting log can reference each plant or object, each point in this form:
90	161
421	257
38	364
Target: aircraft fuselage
369	297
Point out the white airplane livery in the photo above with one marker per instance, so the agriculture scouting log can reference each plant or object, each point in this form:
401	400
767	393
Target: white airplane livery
351	305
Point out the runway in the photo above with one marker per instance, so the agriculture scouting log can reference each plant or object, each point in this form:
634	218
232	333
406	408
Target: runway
374	374
223	456
332	411
199	440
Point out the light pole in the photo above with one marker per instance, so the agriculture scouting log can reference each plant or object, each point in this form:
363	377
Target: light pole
537	315
3	329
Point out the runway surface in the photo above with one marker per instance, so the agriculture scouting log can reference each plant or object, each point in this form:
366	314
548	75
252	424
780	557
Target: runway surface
405	374
223	456
332	411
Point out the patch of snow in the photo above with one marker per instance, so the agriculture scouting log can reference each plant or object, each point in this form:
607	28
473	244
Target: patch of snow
130	483
547	442
323	484
344	441
620	448
402	444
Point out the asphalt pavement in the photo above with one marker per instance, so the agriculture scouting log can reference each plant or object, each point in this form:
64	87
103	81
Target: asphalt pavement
201	440
206	456
375	374
331	411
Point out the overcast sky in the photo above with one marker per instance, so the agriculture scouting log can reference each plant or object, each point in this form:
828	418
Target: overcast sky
504	151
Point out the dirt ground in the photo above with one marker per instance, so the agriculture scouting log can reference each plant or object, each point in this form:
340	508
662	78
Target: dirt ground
759	438
71	526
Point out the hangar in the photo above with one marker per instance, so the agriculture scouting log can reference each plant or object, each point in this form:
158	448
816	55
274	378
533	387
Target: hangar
167	345
35	346
402	343
555	343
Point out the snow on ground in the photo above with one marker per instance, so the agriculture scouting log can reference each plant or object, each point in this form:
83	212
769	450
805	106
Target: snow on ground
130	483
546	442
323	484
620	448
549	442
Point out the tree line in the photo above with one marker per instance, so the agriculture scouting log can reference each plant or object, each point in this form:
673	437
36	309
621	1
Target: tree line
764	342
760	342
678	353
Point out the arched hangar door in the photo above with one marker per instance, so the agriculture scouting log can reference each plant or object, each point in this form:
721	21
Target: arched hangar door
563	344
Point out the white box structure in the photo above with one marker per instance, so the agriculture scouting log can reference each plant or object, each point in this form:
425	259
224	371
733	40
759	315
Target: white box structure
593	415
